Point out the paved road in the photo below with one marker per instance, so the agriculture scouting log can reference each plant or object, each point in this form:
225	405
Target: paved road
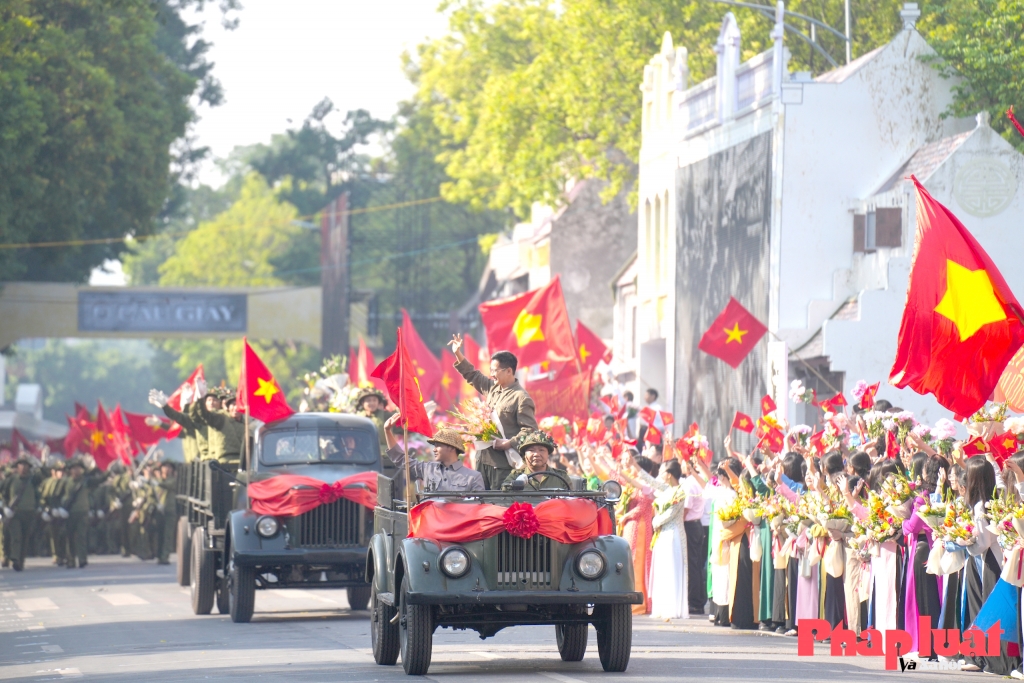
126	620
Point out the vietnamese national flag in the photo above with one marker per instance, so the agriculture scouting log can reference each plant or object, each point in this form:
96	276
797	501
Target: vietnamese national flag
767	404
892	445
733	334
120	437
566	394
424	363
815	442
867	401
147	430
258	391
1003	446
743	422
962	324
591	349
449	392
365	363
403	387
103	449
653	436
833	404
534	326
975	446
475	354
197	380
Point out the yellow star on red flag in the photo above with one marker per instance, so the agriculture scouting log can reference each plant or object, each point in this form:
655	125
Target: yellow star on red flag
266	390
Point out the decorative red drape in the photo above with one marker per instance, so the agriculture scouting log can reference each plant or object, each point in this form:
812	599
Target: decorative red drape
288	495
563	520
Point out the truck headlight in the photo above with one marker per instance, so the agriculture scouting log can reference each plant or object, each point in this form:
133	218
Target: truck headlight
590	564
267	526
455	562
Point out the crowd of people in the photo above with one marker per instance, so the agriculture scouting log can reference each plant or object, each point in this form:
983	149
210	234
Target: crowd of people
70	509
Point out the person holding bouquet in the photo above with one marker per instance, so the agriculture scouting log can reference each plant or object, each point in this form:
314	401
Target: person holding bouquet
512	406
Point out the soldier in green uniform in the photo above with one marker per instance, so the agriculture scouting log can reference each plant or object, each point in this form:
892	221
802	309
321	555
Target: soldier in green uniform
51	494
165	488
118	506
77	503
21	498
193	429
536	448
370	403
506	397
225	432
140	521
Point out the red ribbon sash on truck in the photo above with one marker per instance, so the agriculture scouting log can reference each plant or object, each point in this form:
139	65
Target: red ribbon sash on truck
562	520
289	495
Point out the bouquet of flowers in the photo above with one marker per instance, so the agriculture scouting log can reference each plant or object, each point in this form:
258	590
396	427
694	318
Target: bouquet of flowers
475	421
874	424
958	527
988	421
880	526
836	433
944	435
903	422
798	393
933	514
801	435
731	513
898	494
1007	519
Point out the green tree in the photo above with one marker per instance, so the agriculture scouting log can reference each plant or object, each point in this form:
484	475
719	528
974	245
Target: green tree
92	96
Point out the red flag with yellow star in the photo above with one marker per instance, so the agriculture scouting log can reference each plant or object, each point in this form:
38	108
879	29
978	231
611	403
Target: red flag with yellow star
258	391
424	363
1003	446
403	385
733	334
534	326
962	324
448	393
476	355
742	422
102	438
591	349
365	363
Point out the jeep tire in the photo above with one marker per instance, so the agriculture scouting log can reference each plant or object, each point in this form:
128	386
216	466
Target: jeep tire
416	633
614	625
358	597
223	600
183	550
383	634
572	641
202	574
241	593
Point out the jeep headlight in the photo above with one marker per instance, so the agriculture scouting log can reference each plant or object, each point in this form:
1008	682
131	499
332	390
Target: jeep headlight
455	562
267	526
590	564
612	490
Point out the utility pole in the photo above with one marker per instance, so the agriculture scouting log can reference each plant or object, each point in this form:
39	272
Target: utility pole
335	251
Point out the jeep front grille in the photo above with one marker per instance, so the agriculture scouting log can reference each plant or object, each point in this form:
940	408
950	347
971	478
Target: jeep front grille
335	525
524	564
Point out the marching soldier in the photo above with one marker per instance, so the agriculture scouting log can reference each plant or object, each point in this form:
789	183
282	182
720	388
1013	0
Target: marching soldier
166	486
509	400
51	494
77	503
118	506
21	498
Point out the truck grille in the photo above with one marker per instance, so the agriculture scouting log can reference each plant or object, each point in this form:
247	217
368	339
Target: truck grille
335	525
524	563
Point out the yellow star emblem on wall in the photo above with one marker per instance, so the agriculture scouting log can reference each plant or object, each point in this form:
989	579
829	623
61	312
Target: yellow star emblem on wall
970	301
735	334
527	328
266	390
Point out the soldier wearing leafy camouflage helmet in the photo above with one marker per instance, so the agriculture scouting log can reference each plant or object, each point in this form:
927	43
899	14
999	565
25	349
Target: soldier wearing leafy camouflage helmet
370	403
536	448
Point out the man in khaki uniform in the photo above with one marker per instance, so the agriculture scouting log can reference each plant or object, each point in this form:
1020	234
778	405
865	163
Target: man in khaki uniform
509	400
20	499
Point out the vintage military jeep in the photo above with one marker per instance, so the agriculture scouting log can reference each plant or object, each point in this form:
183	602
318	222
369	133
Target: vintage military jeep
503	580
324	547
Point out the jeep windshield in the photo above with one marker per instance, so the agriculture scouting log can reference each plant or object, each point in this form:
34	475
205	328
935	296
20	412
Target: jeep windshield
323	445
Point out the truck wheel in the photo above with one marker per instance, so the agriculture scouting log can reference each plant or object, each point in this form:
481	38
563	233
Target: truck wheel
223	600
183	550
202	574
241	593
614	625
416	633
358	597
383	634
572	641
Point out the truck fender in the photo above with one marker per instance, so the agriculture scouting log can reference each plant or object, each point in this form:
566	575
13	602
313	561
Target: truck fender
377	563
242	531
419	556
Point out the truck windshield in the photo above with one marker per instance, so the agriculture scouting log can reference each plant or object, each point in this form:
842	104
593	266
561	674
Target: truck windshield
302	446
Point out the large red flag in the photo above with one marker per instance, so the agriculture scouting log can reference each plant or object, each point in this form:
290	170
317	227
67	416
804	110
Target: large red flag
403	386
365	363
450	390
103	449
566	394
258	391
733	334
425	363
962	324
534	325
149	429
196	380
592	349
475	354
120	437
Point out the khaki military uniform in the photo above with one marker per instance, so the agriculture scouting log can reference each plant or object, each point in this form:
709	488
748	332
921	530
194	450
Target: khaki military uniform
22	496
515	411
225	436
51	494
166	517
188	434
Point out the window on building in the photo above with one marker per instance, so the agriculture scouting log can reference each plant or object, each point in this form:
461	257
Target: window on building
876	229
859	233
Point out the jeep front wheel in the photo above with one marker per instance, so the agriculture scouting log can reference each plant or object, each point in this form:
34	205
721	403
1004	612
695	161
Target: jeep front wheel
183	551
383	633
416	632
614	625
358	597
241	593
202	574
572	641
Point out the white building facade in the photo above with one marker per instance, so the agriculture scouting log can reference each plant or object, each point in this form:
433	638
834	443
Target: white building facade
787	192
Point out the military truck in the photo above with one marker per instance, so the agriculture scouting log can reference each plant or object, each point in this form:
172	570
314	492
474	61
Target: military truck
418	585
235	550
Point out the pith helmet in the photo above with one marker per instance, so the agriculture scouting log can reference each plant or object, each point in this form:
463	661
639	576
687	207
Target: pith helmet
448	437
538	437
367	392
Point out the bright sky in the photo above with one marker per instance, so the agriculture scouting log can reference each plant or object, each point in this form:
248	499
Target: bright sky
285	56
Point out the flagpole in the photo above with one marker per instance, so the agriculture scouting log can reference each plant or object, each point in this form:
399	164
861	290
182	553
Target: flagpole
409	490
245	465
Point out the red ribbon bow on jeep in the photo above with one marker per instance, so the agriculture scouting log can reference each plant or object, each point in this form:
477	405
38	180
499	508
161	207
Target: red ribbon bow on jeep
566	520
288	495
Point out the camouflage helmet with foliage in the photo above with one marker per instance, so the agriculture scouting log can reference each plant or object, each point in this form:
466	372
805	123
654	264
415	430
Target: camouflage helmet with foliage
367	392
537	437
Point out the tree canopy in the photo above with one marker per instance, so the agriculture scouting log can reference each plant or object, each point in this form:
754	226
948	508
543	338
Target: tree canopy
530	93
